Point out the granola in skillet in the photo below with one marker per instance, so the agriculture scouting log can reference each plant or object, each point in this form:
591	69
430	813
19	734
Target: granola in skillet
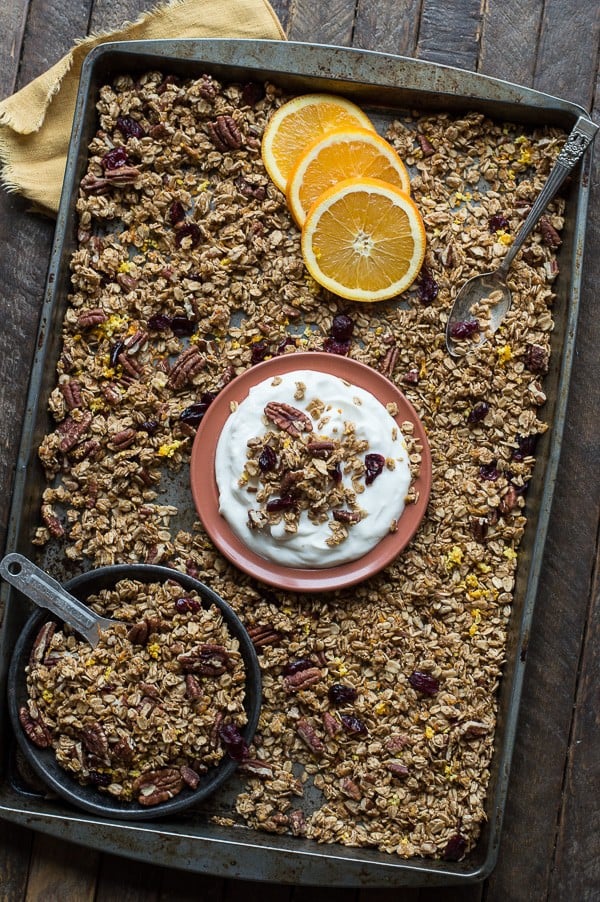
188	271
141	715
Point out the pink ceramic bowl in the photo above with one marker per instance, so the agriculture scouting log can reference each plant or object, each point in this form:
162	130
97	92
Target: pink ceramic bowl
206	494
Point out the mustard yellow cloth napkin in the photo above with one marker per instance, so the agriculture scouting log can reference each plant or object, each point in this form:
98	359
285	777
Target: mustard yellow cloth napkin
35	123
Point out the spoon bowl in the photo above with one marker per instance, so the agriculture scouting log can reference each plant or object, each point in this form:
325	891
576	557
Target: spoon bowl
483	301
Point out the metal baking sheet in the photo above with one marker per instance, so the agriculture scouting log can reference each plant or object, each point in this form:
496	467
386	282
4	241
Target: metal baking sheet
382	84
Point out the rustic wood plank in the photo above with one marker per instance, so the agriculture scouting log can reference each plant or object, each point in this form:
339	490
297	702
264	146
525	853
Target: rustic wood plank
452	894
12	24
509	39
568	51
243	890
126	880
52	28
390	26
322	23
15	850
61	872
449	32
183	886
405	894
323	894
282	11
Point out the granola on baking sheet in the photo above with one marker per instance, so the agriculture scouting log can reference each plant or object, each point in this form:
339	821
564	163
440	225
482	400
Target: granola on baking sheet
188	271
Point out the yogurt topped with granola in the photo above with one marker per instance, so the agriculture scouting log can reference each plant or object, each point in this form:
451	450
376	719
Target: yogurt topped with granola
312	471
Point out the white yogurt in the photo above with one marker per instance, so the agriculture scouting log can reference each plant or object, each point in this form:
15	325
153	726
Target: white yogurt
382	501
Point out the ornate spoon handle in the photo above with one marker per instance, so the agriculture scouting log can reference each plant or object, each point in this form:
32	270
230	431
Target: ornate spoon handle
582	135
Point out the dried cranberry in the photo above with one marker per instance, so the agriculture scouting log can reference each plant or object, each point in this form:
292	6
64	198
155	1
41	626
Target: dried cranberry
479	528
339	694
464	328
478	412
455	848
114	159
189	230
268	459
176	212
252	93
275	505
353	725
297	666
159	322
336	473
234	743
193	414
336	347
98	779
489	472
424	682
374	464
149	426
525	446
428	287
130	128
498	222
287	342
186	605
115	351
183	325
342	328
259	351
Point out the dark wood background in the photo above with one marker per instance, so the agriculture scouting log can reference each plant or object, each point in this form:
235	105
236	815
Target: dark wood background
551	841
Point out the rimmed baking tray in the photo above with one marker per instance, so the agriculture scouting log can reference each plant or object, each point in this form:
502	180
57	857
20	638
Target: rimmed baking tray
382	84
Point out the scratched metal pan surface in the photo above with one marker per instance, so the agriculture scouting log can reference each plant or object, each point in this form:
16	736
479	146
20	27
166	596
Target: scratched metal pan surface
383	85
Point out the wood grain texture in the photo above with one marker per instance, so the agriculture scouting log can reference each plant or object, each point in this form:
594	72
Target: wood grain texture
128	881
508	45
52	28
449	32
568	47
389	26
183	886
12	26
61	872
15	850
323	23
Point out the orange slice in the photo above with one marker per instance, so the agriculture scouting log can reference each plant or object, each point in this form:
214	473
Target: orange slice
298	123
338	155
364	240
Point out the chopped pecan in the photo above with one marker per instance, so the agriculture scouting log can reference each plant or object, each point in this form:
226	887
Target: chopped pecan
474	728
350	789
411	377
34	728
126	281
508	501
397	769
94	740
189	776
309	736
320	448
189	363
130	366
479	528
302	679
139	633
206	87
331	724
288	418
86	450
214	733
427	148
193	690
396	742
41	644
122	750
135	342
248	189
87	319
71	431
226	376
256	768
257	519
71	392
297	822
344	516
225	133
388	362
263	635
111	393
206	659
124	175
289	480
53	523
124	438
550	236
156	786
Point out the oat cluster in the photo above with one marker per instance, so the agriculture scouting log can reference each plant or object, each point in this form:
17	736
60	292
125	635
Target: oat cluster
188	270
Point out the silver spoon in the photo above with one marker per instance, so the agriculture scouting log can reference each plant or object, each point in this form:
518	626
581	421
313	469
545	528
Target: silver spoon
491	286
46	592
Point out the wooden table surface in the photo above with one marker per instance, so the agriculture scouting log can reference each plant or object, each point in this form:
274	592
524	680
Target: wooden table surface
550	847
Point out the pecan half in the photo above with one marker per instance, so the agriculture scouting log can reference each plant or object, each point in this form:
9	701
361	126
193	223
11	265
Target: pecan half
41	644
206	660
344	516
309	736
189	776
34	728
124	438
71	392
397	769
87	319
508	501
474	729
550	236
52	522
156	786
263	635
94	740
320	448
124	175
224	133
350	789
388	362
188	364
288	418
135	342
256	768
130	366
331	724
294	682
71	431
193	690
